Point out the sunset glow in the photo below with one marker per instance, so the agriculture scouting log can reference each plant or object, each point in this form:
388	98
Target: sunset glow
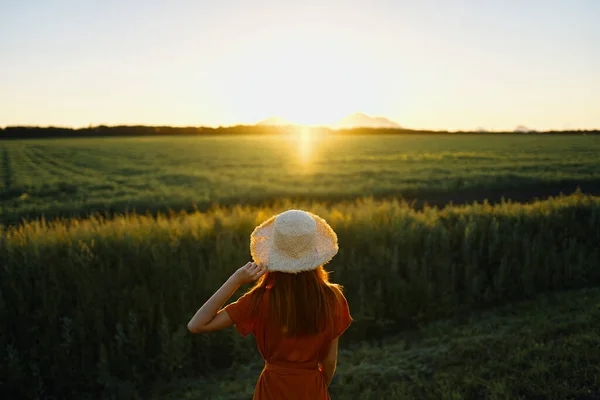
430	65
305	145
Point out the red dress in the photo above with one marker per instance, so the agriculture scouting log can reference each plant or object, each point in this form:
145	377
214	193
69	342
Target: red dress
292	368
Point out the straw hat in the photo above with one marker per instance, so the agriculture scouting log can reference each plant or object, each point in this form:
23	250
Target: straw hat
293	241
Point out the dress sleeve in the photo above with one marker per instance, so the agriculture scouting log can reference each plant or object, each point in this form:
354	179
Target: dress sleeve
342	318
241	314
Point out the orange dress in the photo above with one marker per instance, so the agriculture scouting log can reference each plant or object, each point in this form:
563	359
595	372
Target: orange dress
292	365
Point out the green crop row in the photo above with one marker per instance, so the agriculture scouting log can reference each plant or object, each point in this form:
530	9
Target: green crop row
79	177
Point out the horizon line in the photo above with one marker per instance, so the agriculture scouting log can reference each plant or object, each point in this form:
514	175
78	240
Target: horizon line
329	127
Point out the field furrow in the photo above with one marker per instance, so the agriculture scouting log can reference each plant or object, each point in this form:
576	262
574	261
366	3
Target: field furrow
5	170
55	163
25	172
36	171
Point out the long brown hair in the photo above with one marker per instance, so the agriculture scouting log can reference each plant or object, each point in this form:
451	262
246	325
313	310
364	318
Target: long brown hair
303	303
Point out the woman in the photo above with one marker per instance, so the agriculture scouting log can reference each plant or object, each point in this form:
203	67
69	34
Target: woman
293	311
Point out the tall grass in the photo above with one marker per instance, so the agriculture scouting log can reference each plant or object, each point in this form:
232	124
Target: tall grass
100	306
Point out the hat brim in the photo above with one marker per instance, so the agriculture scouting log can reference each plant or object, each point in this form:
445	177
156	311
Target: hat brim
263	250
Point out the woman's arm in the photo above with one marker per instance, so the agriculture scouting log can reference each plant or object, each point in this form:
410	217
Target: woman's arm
208	318
330	361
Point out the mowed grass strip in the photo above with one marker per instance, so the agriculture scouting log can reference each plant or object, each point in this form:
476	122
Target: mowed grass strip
545	348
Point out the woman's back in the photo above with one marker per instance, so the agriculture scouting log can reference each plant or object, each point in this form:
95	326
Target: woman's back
293	311
292	363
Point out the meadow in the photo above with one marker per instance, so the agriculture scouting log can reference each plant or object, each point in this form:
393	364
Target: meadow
96	304
539	349
79	177
98	307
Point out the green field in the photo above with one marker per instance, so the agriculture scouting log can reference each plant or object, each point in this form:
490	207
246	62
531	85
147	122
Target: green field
100	306
96	304
543	349
76	177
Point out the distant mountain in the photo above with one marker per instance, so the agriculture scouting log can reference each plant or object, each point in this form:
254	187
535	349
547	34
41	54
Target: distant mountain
361	120
523	129
356	120
274	121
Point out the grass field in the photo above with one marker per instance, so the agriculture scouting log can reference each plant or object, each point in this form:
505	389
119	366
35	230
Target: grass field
100	306
76	177
541	349
96	305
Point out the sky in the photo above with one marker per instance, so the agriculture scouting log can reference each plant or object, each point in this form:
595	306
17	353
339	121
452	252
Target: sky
444	64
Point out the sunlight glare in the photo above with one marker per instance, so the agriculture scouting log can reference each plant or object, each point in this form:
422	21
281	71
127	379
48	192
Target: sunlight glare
305	145
307	81
303	148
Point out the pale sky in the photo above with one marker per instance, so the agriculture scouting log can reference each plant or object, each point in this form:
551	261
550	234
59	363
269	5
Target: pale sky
445	64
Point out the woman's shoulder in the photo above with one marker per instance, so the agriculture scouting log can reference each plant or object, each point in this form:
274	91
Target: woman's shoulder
341	313
250	302
338	292
339	303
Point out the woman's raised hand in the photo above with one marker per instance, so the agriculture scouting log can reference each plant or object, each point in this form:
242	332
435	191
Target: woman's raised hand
250	272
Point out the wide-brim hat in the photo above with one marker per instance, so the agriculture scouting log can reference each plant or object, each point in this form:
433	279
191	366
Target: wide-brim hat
293	241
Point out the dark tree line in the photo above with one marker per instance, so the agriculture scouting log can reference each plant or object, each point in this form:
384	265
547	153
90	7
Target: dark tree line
34	132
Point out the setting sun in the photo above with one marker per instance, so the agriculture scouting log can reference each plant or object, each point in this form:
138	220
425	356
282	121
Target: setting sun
304	80
442	67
